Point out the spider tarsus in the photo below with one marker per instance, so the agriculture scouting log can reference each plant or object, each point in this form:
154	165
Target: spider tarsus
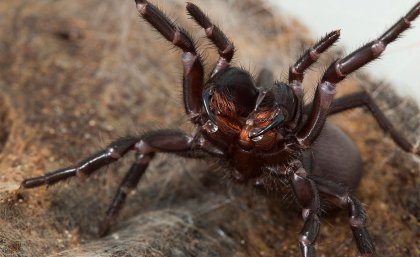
216	36
327	41
311	55
413	13
195	12
32	182
141	6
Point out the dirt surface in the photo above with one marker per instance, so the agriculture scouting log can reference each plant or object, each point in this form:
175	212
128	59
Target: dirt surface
75	75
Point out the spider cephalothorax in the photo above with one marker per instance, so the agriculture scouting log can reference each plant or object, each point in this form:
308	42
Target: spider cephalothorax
259	128
254	113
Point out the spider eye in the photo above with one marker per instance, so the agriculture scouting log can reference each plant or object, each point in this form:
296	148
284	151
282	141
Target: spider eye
278	119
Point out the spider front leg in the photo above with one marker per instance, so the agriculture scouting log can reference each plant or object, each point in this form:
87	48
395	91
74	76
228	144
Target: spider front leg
169	141
112	153
338	70
219	39
296	71
307	197
193	77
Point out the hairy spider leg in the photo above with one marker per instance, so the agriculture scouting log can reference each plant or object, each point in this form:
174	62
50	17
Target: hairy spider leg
193	77
111	153
168	141
358	226
297	70
216	36
311	55
343	198
127	185
363	99
339	69
307	196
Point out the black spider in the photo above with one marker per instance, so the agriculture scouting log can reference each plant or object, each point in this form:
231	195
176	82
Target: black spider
259	127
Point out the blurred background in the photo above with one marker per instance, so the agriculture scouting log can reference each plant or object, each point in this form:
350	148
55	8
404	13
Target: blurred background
361	21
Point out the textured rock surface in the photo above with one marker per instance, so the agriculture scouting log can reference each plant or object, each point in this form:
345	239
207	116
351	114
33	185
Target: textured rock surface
75	75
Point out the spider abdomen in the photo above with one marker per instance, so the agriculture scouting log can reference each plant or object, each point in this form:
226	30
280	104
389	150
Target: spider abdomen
336	145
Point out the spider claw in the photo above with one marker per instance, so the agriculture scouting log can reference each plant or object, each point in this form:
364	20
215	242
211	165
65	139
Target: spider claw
276	121
206	103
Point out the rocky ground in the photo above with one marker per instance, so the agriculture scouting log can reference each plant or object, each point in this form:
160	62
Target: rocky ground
75	75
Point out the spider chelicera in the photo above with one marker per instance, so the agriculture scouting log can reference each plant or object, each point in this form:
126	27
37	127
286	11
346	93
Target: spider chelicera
259	128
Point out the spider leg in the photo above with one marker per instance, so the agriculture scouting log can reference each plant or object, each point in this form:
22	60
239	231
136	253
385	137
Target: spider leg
193	68
358	226
169	141
296	71
307	196
104	157
361	99
219	39
339	69
342	198
166	141
128	184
